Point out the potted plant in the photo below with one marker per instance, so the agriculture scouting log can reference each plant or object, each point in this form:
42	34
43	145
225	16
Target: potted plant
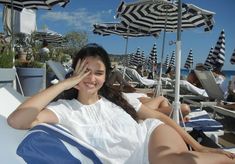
31	76
30	70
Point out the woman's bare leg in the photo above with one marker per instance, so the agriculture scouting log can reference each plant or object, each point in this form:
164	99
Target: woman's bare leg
164	149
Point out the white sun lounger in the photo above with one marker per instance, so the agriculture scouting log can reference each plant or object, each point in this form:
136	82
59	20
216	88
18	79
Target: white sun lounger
9	137
135	76
223	111
58	69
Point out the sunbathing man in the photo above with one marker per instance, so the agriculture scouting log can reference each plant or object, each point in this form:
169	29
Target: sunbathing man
116	76
158	103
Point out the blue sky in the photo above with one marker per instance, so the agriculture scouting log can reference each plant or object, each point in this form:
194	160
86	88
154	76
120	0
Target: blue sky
79	15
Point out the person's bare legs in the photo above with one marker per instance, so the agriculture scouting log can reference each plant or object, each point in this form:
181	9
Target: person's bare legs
164	149
162	105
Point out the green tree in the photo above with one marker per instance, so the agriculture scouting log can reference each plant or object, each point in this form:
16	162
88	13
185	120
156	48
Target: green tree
74	41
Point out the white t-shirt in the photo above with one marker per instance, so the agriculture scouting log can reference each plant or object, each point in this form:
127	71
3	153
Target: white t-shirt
115	135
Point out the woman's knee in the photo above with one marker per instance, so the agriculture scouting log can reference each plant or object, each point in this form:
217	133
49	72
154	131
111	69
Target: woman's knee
162	143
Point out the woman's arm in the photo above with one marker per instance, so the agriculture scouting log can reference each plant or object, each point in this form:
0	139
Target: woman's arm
32	111
27	114
145	113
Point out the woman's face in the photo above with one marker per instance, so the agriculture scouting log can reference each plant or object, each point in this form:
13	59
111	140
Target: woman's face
95	79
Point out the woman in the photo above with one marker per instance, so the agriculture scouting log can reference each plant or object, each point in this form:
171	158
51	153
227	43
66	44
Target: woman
103	119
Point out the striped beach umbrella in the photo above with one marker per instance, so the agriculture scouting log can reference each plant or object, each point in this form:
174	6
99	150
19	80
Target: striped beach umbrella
153	58
232	60
189	61
153	54
167	61
218	56
130	58
136	58
33	4
150	16
142	58
106	29
208	60
172	60
50	36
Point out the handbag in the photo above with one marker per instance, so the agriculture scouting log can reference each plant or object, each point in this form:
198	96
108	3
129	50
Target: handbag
203	139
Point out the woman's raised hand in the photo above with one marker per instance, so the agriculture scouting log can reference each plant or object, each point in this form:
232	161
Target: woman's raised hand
79	73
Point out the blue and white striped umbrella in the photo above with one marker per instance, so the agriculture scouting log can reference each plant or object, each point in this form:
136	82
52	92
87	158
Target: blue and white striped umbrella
130	57
53	38
189	61
106	29
172	60
232	60
153	54
142	58
149	16
208	61
33	4
136	58
167	61
218	56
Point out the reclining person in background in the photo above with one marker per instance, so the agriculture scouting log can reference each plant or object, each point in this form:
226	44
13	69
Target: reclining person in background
158	103
116	77
192	78
218	75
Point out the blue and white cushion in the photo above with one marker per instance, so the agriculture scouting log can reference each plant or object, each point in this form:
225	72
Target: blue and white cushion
47	143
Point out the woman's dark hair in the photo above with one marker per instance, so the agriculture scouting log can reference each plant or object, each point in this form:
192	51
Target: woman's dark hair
113	95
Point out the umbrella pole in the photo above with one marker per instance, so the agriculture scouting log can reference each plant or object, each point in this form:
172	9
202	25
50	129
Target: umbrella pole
124	70
159	86
176	103
12	47
12	31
